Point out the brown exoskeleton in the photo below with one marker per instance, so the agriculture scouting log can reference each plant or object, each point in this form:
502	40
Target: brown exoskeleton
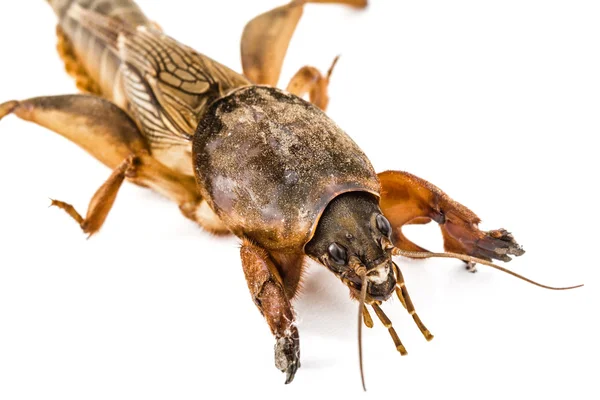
265	165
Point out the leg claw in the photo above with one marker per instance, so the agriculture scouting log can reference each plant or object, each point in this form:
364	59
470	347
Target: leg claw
467	239
471	267
287	355
499	244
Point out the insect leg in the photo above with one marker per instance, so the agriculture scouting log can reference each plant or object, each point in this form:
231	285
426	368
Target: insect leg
407	199
266	38
96	125
388	324
101	202
268	293
400	297
310	80
100	128
367	317
407	302
107	133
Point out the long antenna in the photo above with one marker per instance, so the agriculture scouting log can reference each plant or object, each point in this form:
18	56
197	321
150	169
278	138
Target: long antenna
361	271
419	254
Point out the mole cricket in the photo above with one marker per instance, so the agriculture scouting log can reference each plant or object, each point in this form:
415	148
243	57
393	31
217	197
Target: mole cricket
242	157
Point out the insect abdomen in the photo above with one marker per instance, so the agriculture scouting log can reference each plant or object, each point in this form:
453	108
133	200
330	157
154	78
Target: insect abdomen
88	56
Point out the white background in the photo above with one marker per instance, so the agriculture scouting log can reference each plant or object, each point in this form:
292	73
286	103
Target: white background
495	102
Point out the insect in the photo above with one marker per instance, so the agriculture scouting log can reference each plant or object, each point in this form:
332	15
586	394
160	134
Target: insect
298	185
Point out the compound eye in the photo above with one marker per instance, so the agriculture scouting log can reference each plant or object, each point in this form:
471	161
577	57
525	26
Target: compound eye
338	253
384	225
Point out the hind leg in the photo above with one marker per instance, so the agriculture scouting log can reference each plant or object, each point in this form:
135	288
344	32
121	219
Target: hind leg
108	133
99	127
96	125
266	38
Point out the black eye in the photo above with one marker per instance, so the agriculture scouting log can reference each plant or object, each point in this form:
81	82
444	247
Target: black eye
337	253
384	225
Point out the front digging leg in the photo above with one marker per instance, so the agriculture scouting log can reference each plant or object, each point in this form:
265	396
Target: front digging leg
268	294
406	198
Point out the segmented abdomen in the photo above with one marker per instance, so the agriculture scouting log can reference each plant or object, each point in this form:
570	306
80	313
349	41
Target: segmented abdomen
92	51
